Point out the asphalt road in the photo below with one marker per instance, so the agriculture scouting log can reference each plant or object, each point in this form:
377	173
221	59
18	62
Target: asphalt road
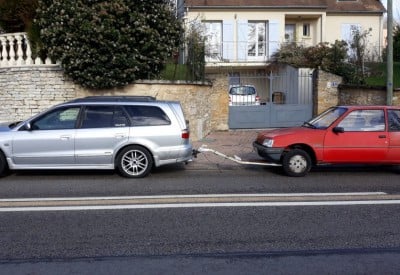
177	180
347	238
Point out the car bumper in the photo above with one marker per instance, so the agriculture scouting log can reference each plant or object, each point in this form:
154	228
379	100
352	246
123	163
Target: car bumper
271	154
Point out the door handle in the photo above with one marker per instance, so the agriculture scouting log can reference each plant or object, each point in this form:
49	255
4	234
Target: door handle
382	136
65	137
120	135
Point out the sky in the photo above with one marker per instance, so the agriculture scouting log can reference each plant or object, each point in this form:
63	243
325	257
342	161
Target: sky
396	9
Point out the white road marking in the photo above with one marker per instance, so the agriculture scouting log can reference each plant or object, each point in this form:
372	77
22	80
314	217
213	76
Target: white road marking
193	196
195	205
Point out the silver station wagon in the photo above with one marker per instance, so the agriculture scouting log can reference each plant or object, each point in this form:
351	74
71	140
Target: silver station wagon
130	134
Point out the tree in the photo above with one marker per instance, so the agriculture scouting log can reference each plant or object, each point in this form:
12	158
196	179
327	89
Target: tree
196	52
396	43
105	44
17	15
359	51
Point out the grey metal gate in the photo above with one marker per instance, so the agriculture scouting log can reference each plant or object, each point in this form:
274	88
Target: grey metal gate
286	100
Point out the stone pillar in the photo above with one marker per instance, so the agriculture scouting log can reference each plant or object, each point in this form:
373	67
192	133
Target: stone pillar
327	90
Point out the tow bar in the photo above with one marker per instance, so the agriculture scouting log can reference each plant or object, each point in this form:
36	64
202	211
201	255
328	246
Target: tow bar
205	149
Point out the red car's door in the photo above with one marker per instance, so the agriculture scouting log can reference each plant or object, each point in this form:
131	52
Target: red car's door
394	135
364	140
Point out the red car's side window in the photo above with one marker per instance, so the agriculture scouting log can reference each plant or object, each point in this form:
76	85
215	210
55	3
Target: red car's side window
394	120
364	121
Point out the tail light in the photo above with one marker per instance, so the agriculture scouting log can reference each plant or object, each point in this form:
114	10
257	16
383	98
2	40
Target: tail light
185	134
257	99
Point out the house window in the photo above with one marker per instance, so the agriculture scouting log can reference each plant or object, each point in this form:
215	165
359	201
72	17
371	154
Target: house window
213	40
306	30
256	39
290	32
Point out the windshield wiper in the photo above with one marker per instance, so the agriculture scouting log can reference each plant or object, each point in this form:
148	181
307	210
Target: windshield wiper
308	124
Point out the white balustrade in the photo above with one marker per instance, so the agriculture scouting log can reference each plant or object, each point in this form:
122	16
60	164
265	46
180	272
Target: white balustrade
15	51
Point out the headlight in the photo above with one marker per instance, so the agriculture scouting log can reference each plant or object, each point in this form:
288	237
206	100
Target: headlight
268	142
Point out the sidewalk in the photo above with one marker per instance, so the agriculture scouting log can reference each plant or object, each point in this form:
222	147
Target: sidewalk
232	142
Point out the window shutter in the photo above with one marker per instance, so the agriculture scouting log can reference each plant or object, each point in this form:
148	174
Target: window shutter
242	40
273	37
227	40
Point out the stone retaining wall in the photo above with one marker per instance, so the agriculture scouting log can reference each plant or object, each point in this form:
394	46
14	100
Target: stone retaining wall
27	91
356	95
326	91
330	92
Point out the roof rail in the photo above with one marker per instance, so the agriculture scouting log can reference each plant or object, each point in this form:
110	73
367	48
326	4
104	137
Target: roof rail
114	98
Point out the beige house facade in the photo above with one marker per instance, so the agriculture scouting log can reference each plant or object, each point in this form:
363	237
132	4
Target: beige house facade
247	33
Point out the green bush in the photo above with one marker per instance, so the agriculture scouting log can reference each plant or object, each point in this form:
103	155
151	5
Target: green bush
105	44
17	15
332	58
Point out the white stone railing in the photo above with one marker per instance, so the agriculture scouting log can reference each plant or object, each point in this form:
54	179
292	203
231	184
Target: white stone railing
15	51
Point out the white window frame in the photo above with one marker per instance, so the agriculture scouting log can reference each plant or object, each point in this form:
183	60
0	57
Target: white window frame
306	29
212	31
260	48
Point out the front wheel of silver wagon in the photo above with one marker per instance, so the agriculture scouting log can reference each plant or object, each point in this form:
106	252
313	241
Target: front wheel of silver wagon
134	162
3	165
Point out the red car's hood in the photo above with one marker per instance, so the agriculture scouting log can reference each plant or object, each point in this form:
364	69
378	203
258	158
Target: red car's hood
284	131
285	136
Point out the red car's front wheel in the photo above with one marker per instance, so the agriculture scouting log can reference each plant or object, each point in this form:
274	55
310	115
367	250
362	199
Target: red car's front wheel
296	163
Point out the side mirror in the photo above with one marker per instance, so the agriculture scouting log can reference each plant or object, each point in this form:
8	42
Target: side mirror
338	130
28	126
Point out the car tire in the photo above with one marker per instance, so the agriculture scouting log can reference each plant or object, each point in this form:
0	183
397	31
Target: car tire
134	162
3	165
296	163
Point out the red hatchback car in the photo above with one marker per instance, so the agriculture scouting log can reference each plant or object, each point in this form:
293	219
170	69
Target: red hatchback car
340	135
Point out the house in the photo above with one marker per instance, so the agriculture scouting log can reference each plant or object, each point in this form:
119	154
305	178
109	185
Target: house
247	32
242	36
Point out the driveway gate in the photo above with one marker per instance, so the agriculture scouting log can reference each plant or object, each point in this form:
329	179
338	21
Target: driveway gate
286	100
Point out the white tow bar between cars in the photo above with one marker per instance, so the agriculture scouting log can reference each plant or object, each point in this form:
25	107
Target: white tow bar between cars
205	149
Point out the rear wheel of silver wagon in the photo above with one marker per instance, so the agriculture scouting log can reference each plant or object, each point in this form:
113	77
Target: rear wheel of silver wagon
134	162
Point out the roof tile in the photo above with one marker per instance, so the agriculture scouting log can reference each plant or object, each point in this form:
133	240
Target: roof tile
328	5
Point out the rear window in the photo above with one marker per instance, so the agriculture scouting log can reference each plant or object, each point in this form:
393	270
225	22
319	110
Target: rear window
104	117
242	90
147	116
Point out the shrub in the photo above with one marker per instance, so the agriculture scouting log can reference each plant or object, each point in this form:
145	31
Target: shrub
105	44
17	15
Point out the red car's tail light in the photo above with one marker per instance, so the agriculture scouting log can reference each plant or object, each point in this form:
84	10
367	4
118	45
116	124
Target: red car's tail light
185	134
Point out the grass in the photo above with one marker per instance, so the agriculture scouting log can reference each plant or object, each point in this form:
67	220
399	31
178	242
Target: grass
377	77
175	72
378	74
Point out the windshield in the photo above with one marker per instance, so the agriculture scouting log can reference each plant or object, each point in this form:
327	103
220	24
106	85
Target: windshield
242	90
325	119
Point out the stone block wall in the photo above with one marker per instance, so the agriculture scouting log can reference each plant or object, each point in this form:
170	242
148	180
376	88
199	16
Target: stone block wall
326	92
30	90
329	91
358	95
25	91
